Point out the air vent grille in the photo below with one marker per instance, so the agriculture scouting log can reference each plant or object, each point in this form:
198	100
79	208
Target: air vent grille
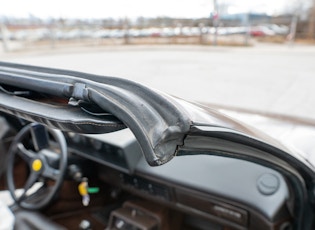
155	189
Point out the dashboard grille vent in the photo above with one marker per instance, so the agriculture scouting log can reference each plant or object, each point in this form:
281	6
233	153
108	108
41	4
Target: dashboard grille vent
152	188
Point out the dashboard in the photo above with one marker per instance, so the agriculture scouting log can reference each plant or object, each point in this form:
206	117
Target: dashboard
214	172
224	192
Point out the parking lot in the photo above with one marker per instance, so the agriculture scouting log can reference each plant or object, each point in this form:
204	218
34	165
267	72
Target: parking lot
268	78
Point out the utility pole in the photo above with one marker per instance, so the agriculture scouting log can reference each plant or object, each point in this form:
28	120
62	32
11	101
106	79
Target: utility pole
311	24
294	23
215	18
247	26
293	26
126	27
4	32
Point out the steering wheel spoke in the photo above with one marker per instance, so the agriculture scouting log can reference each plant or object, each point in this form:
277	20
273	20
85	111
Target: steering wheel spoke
50	172
25	154
29	183
39	136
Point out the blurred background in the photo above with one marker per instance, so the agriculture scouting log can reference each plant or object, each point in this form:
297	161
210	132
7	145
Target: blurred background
251	54
25	24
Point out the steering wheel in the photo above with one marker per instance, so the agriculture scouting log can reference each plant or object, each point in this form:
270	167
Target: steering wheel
38	153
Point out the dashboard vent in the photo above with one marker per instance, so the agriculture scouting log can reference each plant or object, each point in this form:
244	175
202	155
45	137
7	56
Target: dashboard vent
146	186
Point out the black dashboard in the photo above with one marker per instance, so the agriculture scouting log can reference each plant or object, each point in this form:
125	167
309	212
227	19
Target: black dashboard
229	192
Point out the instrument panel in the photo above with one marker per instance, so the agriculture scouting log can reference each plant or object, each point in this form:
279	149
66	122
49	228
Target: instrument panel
227	191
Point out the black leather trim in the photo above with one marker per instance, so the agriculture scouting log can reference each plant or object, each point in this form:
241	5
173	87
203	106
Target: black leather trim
157	120
63	117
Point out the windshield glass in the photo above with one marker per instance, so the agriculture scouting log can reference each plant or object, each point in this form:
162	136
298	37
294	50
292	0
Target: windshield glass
256	55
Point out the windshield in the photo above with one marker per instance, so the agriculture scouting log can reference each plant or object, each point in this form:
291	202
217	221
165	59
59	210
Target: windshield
256	55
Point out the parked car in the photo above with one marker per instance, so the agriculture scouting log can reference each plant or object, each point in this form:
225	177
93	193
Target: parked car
259	31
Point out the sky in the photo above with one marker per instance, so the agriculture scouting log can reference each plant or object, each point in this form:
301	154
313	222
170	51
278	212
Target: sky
132	8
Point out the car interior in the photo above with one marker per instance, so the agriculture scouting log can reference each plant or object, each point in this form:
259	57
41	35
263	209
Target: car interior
69	165
187	193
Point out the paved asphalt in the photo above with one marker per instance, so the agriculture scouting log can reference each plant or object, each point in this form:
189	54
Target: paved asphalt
268	78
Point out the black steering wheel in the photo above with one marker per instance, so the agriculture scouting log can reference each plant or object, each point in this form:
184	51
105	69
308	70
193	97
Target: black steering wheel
38	153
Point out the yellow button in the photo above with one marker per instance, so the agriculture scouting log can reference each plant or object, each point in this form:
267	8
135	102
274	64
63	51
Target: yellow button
37	165
83	188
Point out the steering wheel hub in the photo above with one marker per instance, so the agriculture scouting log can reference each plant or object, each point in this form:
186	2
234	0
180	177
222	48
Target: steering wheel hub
37	165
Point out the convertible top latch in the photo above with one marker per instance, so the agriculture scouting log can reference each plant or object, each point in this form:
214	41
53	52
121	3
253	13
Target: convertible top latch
80	91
